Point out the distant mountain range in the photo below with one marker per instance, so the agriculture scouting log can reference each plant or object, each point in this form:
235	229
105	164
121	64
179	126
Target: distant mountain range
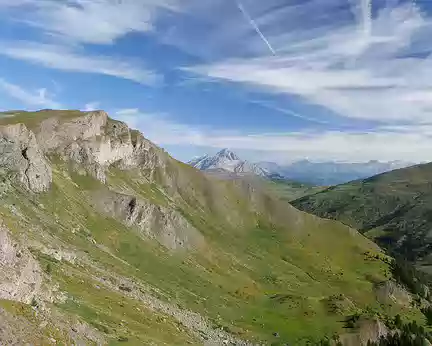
330	173
316	173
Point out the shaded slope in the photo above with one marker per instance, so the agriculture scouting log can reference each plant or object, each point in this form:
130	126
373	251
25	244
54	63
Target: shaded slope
394	208
245	265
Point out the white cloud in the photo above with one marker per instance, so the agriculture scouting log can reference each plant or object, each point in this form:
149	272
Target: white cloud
38	98
91	106
128	112
411	144
366	70
67	59
159	128
90	21
70	26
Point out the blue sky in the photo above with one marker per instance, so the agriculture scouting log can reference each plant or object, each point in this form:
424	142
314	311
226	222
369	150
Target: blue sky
274	80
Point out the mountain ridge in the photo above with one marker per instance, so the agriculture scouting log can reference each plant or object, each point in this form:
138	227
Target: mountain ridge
391	207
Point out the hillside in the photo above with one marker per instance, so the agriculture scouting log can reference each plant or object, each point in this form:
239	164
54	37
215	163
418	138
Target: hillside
290	190
286	190
393	208
105	239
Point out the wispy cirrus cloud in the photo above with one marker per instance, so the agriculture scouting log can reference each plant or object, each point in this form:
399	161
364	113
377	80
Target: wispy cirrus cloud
71	59
371	64
372	68
66	28
89	21
161	128
39	98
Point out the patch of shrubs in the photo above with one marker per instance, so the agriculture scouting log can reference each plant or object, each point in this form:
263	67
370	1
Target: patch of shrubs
405	273
125	288
410	334
402	334
428	314
100	327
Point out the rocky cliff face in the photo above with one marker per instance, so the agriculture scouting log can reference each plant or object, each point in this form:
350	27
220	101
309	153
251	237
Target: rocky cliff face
91	140
366	330
21	274
56	133
21	154
96	142
165	225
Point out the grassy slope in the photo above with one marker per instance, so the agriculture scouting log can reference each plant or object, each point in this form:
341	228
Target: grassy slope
290	190
32	328
253	281
64	210
287	190
267	268
393	208
32	119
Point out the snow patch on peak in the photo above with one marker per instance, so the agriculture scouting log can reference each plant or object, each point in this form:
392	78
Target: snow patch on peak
227	154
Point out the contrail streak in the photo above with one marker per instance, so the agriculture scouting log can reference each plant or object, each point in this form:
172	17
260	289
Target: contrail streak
288	112
255	26
366	13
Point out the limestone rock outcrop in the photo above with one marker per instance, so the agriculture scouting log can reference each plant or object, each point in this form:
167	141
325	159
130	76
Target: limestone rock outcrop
21	154
55	133
90	139
165	225
20	272
96	142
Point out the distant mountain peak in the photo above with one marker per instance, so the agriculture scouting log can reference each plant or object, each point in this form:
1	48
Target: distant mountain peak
227	160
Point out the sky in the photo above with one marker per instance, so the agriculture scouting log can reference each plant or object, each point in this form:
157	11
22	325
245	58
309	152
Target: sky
274	80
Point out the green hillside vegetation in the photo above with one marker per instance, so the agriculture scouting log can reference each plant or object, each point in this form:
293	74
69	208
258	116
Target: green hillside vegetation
393	208
260	270
33	119
291	190
287	190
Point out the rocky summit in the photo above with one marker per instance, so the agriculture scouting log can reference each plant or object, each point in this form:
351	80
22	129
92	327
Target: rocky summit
106	239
